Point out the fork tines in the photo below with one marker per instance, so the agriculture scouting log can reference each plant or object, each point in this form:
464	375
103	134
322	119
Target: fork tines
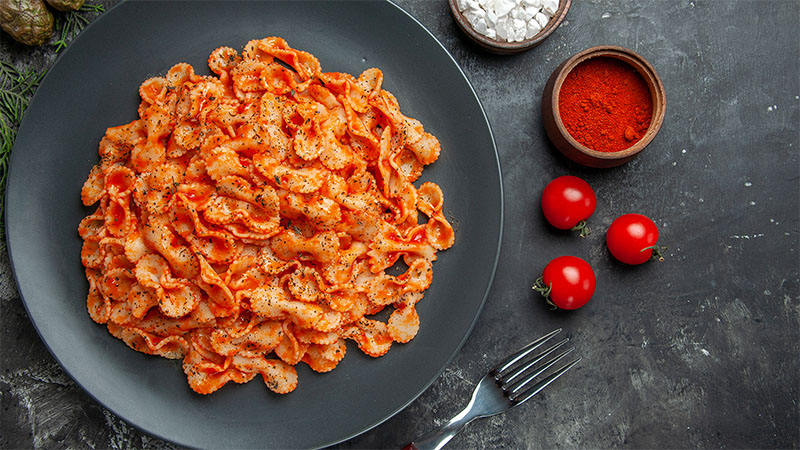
509	374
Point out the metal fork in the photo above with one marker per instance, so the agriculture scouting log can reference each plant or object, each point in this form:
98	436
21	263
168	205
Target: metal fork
503	388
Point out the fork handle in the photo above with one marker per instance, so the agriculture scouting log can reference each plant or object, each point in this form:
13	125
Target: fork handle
437	439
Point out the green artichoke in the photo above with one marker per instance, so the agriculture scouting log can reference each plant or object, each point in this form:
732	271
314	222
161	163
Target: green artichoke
66	5
27	21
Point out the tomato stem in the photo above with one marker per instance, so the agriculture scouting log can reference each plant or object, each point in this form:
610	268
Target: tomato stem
544	290
583	228
656	252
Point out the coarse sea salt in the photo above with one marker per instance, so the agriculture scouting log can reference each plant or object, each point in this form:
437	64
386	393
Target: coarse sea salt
508	20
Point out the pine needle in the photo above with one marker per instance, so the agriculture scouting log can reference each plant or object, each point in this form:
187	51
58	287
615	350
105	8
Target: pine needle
70	23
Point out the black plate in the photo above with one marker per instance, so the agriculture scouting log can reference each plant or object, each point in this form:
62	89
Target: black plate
94	85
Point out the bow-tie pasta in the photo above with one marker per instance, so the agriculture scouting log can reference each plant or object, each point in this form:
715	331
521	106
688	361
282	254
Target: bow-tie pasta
246	220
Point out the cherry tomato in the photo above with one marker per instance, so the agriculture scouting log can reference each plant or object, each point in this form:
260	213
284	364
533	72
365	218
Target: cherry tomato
567	202
632	238
568	282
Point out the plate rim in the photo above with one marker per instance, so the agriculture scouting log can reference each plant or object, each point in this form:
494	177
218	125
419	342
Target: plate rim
498	244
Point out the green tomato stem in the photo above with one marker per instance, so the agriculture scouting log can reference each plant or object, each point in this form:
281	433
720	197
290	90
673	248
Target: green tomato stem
544	290
583	228
657	255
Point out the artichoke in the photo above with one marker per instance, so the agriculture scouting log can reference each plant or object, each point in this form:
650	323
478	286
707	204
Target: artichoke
27	21
66	5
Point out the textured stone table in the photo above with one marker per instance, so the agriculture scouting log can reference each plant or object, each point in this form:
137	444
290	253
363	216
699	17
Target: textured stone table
699	351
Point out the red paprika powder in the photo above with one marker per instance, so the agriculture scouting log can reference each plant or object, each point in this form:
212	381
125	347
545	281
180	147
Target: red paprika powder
605	104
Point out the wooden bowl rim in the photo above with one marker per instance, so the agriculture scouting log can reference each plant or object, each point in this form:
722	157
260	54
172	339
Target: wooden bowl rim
651	78
503	47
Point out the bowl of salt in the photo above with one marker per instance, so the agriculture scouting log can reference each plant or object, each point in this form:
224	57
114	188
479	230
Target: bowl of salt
508	26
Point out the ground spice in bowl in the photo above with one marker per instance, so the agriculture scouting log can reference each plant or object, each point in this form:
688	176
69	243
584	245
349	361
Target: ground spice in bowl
605	104
601	107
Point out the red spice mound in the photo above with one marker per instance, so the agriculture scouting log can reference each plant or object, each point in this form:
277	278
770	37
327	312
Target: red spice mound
605	104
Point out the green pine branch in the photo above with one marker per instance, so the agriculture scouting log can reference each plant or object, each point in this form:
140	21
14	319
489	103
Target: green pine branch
17	86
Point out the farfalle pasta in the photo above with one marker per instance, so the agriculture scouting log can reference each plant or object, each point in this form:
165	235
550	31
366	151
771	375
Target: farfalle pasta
247	220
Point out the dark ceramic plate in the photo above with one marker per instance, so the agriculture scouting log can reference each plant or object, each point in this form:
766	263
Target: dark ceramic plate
94	85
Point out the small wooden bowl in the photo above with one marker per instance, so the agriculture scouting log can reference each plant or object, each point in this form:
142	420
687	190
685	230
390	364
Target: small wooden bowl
573	149
509	48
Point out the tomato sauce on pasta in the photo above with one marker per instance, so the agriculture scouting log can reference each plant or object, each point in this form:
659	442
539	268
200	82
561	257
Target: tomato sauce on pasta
246	220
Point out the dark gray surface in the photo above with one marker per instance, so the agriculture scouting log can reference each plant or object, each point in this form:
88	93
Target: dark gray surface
698	351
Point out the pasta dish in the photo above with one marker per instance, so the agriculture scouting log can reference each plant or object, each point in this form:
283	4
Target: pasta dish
257	218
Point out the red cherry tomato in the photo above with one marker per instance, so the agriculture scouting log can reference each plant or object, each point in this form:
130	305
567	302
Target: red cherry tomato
568	282
567	202
632	238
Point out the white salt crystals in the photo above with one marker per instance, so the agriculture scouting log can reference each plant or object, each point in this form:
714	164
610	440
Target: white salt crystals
508	20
